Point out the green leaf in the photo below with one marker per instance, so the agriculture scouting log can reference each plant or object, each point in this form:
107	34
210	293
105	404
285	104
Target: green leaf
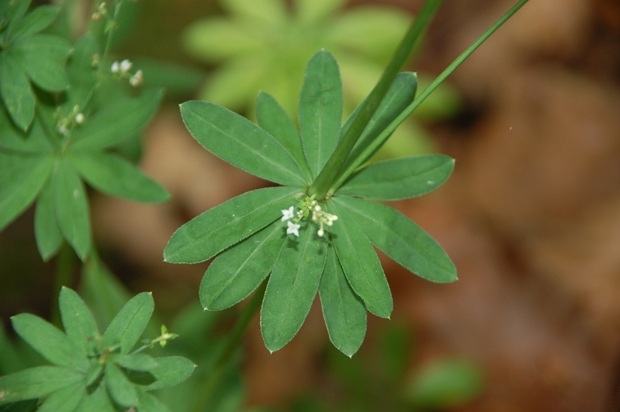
361	264
97	401
114	175
14	139
65	399
50	342
71	205
343	311
310	11
170	371
16	91
234	274
43	57
150	403
240	142
22	406
222	226
129	323
36	383
116	122
21	179
46	230
16	11
320	109
136	362
35	21
274	120
78	321
401	239
292	287
268	11
81	72
121	390
400	178
446	384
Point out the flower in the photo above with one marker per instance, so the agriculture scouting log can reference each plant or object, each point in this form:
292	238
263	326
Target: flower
292	228
115	67
125	66
288	213
136	79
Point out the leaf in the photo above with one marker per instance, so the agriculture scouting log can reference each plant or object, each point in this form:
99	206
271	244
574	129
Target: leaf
150	403
78	321
268	11
36	382
81	71
22	406
43	57
21	179
136	362
320	109
129	323
235	273
240	142
310	11
274	120
361	264
400	178
97	401
50	342
343	311
116	122
292	287
65	399
16	92
121	390
114	175
170	371
224	225
14	139
401	239
16	11
46	230
35	21
71	205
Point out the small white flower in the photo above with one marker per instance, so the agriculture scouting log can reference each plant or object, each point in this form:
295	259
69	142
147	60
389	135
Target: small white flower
116	67
125	66
320	232
79	118
288	213
292	228
136	79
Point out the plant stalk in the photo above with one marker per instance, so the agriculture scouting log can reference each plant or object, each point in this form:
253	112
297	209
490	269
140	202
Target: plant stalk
367	153
65	269
327	175
202	402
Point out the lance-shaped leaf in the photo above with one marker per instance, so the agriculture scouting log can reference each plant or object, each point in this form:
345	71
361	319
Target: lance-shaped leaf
71	205
136	362
150	403
11	138
117	122
35	21
129	323
114	175
361	264
46	230
320	109
16	92
292	287
65	399
343	310
240	142
224	225
235	273
170	371
43	57
400	94
401	239
97	401
36	383
81	72
275	121
21	179
78	321
400	178
119	387
50	342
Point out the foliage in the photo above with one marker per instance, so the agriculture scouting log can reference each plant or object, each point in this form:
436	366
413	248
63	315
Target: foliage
92	371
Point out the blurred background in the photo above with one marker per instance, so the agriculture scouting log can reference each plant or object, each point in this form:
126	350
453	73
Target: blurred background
531	215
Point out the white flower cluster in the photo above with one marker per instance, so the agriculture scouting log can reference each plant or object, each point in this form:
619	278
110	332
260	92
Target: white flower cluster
122	71
63	126
306	206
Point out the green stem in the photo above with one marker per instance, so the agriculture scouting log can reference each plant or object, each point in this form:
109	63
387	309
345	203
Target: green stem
65	269
326	177
367	153
202	402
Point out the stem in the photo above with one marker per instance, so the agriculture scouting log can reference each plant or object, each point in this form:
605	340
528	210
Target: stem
232	344
365	155
326	177
65	269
